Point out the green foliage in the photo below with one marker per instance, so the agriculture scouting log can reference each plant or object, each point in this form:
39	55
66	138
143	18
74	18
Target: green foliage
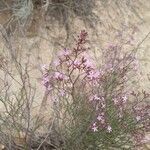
81	136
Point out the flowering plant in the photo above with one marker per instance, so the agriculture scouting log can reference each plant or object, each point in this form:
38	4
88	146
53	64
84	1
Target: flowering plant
96	107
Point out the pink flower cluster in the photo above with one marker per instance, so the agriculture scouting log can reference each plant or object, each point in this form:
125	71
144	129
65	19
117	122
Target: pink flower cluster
72	64
73	71
46	78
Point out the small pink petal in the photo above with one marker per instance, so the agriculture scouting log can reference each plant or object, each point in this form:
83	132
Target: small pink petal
109	129
95	129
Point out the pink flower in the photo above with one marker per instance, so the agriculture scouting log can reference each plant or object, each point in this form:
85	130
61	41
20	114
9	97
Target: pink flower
124	98
115	101
138	118
69	63
103	105
76	64
88	63
91	98
94	97
109	129
64	52
45	79
95	128
62	93
100	118
67	52
93	75
59	76
94	124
